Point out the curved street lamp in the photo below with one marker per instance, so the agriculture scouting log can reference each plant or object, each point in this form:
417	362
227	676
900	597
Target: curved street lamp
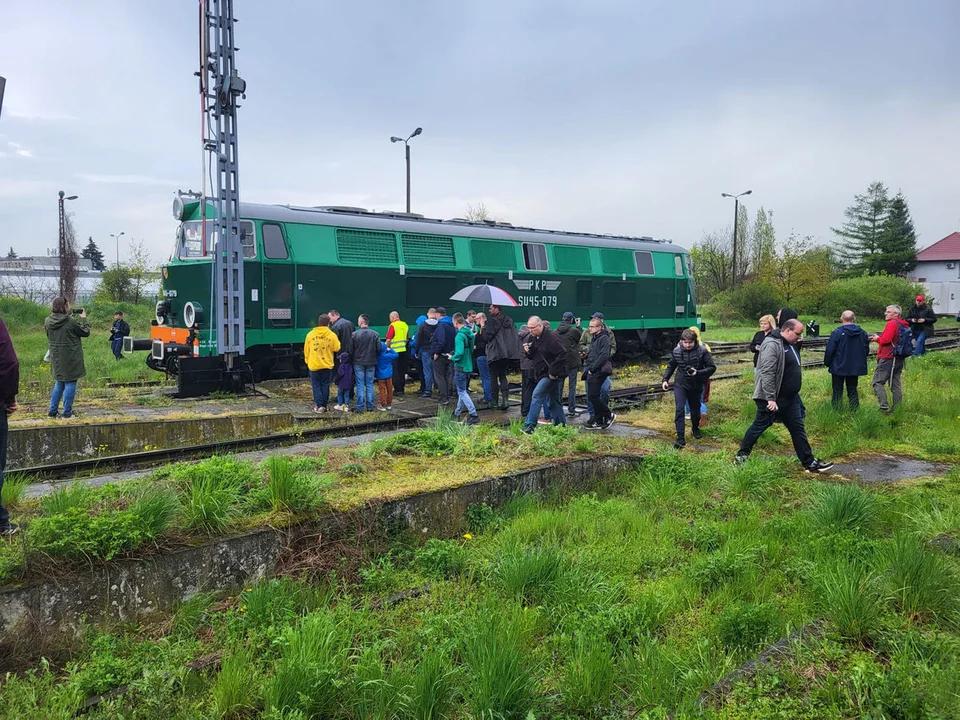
736	216
406	144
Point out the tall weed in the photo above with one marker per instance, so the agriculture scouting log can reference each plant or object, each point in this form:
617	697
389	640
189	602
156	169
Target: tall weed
530	574
13	488
235	691
849	598
588	681
500	683
922	583
209	503
431	690
74	495
845	507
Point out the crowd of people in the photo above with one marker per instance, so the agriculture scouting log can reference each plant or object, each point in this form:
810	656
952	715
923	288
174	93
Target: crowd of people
447	350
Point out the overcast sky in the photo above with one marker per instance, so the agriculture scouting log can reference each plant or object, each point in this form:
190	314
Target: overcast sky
619	116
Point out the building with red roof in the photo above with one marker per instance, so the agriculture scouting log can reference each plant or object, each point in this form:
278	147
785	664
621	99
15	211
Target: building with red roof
938	267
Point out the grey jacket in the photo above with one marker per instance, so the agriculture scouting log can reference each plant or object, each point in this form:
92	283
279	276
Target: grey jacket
769	372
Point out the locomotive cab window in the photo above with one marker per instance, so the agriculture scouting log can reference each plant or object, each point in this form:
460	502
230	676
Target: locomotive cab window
644	263
535	256
274	246
190	244
678	265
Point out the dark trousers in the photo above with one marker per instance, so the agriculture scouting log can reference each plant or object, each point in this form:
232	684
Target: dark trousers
117	346
443	377
498	381
528	381
400	372
320	382
572	390
852	395
4	515
791	413
601	411
682	396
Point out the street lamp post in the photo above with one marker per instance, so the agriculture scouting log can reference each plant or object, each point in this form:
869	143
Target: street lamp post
406	144
118	246
63	236
736	217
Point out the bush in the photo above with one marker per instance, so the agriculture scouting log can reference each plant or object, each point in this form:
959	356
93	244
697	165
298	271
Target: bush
74	533
845	507
441	558
418	442
747	303
868	296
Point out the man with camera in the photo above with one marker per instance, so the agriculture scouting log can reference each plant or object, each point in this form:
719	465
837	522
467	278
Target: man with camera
118	332
693	365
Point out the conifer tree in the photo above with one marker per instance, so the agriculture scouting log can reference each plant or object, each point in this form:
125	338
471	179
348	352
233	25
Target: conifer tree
92	252
898	248
863	232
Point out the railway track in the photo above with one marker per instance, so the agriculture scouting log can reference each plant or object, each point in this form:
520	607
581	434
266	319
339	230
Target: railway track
727	347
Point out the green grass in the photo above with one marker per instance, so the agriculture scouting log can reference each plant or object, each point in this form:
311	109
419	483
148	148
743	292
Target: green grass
577	607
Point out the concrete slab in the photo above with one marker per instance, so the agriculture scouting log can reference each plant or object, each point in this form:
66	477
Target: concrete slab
879	469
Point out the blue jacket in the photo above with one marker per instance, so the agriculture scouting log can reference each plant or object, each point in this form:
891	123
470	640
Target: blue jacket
385	361
443	336
847	349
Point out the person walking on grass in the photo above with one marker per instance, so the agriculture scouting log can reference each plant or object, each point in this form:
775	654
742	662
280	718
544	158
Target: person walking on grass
462	360
549	359
596	372
9	387
118	332
319	349
586	338
64	331
921	319
694	365
366	350
889	363
777	395
846	359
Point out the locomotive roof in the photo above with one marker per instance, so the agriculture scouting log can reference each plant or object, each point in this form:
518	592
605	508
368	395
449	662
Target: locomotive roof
413	223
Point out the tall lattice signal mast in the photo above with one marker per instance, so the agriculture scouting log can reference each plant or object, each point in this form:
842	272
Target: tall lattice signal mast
220	88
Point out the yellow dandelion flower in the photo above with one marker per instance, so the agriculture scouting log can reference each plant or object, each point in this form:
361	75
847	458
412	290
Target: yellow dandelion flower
467	536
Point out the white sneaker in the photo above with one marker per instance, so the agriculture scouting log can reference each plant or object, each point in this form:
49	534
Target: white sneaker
345	408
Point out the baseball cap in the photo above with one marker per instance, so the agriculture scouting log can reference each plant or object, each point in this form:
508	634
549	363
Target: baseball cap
597	315
568	316
920	298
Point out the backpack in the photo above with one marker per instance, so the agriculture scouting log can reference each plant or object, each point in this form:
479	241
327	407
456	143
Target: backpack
904	346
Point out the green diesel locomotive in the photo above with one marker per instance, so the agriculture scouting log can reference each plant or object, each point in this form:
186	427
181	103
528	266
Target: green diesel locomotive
302	261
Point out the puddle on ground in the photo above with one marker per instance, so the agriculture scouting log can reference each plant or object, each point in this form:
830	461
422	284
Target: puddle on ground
887	469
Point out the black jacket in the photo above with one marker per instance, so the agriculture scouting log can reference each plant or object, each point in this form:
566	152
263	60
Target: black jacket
548	355
929	318
500	336
366	347
120	329
682	361
424	337
598	354
755	345
569	335
343	329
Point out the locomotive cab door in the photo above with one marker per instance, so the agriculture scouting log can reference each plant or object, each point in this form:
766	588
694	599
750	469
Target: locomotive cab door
279	278
681	288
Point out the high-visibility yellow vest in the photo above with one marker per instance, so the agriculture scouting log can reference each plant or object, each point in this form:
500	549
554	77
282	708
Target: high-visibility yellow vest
400	331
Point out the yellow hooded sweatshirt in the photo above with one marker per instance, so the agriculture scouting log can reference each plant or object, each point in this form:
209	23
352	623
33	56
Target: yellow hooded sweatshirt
319	347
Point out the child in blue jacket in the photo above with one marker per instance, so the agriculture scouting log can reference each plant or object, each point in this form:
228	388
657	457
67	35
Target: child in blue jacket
385	375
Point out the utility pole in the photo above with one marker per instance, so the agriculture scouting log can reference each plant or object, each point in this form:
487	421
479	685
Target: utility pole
736	217
63	249
406	143
221	87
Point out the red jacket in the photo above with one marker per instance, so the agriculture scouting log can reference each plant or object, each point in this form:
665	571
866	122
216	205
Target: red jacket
888	338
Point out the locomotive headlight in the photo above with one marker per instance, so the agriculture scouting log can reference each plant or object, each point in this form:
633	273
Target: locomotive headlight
178	208
162	311
192	314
